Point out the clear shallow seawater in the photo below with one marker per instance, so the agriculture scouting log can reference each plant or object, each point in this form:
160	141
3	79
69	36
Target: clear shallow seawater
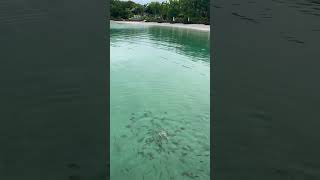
160	103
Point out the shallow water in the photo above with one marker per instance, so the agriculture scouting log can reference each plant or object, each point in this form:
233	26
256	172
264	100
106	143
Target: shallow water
160	103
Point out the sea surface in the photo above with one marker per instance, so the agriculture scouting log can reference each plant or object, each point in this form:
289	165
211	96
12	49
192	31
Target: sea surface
160	103
266	89
53	75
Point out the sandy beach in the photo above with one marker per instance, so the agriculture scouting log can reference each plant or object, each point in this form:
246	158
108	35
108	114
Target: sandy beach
199	27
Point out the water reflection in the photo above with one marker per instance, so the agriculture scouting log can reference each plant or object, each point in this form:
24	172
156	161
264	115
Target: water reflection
186	42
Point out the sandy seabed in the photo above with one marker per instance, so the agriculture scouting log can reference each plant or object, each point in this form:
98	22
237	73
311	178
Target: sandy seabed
200	27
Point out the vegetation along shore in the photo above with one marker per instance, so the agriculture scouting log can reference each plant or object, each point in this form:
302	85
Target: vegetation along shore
171	11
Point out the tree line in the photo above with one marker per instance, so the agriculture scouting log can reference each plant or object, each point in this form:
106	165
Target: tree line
173	11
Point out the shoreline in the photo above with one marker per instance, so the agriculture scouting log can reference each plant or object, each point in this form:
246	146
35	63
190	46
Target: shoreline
199	27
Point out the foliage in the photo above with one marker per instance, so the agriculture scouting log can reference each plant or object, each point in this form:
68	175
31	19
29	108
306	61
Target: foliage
174	11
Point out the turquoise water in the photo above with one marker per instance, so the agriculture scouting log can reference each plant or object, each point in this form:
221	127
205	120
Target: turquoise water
160	103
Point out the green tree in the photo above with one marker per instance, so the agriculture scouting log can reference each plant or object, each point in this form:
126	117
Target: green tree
174	8
154	8
195	10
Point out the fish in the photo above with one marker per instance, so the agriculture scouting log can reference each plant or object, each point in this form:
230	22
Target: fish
151	156
189	147
132	119
184	148
140	140
175	143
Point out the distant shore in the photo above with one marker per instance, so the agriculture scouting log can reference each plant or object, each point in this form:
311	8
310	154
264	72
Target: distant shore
199	27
